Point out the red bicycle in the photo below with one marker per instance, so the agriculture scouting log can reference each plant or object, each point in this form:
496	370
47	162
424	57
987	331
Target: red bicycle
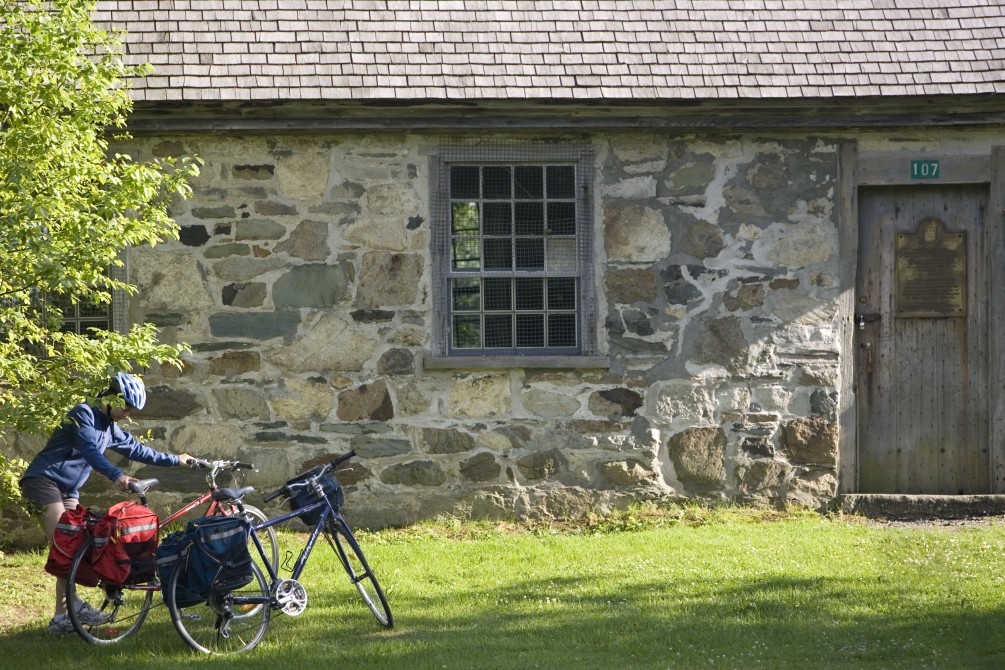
125	606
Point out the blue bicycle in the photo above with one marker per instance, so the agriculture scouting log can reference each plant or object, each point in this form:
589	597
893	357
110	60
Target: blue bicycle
236	621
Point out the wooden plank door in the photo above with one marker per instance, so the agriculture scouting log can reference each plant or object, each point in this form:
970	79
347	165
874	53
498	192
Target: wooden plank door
922	340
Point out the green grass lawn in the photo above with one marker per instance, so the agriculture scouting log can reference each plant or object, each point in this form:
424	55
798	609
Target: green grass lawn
647	590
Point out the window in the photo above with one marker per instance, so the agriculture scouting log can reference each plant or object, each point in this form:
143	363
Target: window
512	251
81	317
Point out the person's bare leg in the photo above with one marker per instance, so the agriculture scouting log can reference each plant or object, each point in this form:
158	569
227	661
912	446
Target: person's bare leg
49	520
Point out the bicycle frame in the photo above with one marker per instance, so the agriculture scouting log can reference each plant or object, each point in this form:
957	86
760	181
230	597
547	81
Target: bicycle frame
210	511
305	553
214	505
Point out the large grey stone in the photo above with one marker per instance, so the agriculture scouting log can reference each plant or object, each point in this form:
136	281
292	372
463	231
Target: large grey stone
308	241
480	396
255	325
414	473
310	286
630	285
273	208
219	212
549	404
747	297
701	239
172	281
692	178
698	456
541	464
626	473
224	250
366	402
761	475
244	294
388	279
722	342
615	403
302	400
258	229
635	233
330	344
235	363
480	468
164	402
396	362
445	441
244	268
240	402
811	441
369	446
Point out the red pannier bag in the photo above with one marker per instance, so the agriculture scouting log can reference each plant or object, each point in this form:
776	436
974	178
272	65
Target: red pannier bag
70	534
125	544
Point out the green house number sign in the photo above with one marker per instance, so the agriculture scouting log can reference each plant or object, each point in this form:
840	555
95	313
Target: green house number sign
927	169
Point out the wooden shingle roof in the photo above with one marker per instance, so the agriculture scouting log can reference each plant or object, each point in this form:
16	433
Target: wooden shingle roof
613	50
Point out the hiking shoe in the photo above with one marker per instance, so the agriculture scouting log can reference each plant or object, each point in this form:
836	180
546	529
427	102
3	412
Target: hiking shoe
60	624
90	616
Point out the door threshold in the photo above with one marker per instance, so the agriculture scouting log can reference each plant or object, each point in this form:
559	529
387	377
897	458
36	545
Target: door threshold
906	507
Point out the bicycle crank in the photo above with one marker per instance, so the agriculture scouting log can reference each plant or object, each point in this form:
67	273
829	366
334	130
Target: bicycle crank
290	596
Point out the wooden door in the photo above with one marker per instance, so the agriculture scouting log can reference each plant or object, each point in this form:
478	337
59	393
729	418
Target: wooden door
921	340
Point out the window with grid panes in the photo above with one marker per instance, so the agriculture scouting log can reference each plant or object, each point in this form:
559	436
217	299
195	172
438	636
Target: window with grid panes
83	316
516	267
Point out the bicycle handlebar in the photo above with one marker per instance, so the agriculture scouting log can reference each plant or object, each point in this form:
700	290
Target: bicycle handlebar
220	465
317	474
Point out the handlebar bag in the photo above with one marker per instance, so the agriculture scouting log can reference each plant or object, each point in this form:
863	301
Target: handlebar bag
306	496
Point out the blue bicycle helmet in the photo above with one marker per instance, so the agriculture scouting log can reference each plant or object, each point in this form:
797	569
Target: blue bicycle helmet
132	389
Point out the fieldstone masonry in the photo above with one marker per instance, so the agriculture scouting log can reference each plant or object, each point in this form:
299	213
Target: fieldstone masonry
302	283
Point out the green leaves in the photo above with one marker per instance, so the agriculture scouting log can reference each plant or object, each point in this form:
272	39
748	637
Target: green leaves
68	207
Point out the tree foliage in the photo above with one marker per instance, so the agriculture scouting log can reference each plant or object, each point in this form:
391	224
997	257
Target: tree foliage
68	207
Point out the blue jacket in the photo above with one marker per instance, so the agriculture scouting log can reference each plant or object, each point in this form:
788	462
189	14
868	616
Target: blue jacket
79	445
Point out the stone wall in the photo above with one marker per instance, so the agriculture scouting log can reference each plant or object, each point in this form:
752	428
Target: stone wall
302	283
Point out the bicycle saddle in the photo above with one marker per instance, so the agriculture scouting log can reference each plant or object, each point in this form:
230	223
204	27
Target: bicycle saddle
232	493
142	485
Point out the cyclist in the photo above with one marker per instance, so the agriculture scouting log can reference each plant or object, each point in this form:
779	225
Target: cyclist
53	479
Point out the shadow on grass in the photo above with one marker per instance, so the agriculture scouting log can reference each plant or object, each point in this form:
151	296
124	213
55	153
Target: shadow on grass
587	623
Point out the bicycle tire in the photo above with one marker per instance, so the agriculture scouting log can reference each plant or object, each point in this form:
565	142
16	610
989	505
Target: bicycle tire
199	625
267	536
127	606
344	543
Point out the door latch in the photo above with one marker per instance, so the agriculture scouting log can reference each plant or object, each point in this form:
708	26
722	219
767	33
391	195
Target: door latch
862	319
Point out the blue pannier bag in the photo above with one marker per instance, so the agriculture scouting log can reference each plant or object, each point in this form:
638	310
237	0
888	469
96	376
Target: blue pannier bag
170	553
213	558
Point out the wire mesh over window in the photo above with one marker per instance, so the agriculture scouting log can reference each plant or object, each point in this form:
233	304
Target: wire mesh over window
512	250
84	316
514	258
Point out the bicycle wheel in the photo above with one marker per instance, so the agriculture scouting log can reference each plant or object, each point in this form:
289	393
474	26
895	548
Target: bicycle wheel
344	543
115	612
267	536
227	623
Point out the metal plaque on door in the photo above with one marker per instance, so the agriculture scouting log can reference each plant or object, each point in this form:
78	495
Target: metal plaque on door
931	272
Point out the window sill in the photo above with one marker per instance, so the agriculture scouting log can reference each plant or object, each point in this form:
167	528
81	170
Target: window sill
528	362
